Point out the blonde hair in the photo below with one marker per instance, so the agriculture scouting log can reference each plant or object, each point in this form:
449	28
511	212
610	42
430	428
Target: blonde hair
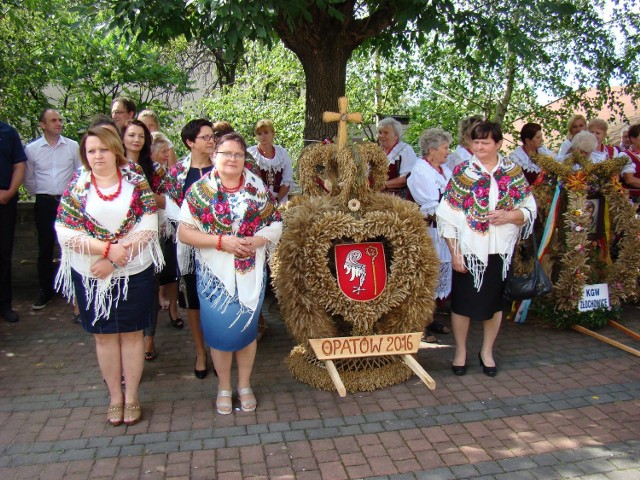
572	120
465	126
149	113
110	139
598	123
158	139
264	124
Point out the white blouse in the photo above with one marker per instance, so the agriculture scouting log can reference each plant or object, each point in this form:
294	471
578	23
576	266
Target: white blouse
281	162
404	153
520	157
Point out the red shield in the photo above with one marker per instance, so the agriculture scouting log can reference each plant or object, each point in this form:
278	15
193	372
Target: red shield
361	269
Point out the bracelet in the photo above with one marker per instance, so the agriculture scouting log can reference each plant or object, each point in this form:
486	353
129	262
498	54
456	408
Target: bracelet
106	250
219	247
115	265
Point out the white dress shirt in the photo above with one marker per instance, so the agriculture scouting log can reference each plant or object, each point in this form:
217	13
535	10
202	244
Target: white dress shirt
49	169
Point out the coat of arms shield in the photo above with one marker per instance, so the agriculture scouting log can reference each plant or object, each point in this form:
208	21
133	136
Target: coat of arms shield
361	269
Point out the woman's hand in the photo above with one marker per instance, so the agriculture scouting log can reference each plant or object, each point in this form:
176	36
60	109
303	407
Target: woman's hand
102	268
502	217
233	245
457	262
253	243
120	254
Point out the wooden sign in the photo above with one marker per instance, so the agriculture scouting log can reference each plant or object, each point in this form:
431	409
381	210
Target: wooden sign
402	344
366	346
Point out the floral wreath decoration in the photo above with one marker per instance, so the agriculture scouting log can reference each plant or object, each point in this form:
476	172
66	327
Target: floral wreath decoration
583	261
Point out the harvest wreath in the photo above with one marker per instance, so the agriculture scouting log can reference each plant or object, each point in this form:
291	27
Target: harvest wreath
341	205
588	261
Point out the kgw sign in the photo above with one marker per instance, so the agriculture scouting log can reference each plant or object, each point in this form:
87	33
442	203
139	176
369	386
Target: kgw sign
594	297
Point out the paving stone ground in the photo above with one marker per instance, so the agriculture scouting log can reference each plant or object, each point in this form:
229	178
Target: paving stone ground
562	406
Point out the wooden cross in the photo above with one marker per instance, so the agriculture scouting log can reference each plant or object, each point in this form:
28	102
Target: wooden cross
342	117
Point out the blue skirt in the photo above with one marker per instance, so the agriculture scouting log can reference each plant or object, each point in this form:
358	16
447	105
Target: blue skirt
130	315
232	330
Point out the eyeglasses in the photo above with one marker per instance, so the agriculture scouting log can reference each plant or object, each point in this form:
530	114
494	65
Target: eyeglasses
207	138
230	155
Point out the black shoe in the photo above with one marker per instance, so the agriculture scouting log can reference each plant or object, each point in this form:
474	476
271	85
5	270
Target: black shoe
42	301
75	318
200	373
176	322
459	370
9	314
488	371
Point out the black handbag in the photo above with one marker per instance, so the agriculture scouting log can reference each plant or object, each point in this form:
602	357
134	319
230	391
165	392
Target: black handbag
536	283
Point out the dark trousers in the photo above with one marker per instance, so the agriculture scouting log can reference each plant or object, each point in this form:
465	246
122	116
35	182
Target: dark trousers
46	210
8	214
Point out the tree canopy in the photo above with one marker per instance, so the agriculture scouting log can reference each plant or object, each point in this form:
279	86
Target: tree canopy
51	57
551	44
435	61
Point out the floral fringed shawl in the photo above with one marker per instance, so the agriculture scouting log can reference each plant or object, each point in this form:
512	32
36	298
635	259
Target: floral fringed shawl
173	187
470	195
250	212
158	186
75	227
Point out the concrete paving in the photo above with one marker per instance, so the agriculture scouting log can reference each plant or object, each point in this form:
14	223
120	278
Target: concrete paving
563	405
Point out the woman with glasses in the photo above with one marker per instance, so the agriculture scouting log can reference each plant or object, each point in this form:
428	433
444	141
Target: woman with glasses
198	136
230	220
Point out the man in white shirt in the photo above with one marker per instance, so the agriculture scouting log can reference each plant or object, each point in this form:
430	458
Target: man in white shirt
51	161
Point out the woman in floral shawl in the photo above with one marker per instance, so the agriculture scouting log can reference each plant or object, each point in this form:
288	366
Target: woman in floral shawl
229	218
107	226
482	212
198	136
136	138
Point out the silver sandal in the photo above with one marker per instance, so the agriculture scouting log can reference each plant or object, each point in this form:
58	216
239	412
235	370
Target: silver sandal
250	404
223	406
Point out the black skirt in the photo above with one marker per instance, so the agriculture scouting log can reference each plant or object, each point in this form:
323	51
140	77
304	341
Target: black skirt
188	292
169	273
130	314
483	304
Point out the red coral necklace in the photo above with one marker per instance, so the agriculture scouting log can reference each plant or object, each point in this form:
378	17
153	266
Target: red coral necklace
114	195
233	189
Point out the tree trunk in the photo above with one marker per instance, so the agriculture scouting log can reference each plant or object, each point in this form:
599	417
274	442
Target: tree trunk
503	103
324	48
325	74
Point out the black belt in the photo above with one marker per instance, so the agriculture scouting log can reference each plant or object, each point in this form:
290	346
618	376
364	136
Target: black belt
46	195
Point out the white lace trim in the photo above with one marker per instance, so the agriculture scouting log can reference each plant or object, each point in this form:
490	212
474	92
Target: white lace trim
276	164
443	286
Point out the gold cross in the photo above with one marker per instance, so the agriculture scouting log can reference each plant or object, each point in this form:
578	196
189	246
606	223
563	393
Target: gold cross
342	117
